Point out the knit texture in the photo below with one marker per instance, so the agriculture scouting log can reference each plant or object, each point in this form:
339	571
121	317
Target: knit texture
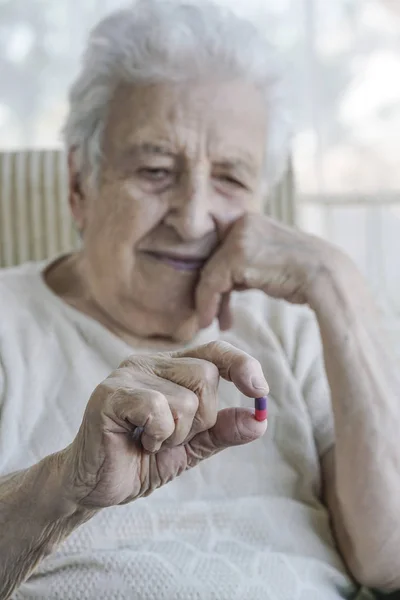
247	524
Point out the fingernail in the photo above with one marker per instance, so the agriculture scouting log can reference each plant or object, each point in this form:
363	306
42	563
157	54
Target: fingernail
259	383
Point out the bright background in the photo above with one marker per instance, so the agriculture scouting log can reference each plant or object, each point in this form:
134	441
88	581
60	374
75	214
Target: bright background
343	58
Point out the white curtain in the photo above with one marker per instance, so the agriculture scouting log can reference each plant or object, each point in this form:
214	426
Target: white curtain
343	57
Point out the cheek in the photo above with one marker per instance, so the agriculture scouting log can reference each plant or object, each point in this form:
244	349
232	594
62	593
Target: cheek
124	216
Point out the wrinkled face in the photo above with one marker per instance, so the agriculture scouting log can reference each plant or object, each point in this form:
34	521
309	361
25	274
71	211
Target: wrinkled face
181	164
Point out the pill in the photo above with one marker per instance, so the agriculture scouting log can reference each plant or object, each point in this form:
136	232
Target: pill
260	405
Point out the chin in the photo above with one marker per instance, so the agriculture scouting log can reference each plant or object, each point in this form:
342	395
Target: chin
166	307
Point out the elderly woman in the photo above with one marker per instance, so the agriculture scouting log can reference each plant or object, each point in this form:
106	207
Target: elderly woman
126	364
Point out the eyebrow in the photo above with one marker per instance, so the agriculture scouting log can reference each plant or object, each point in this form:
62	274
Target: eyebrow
149	148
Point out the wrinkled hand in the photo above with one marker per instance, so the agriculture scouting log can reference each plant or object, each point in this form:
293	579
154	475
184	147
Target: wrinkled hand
259	253
156	416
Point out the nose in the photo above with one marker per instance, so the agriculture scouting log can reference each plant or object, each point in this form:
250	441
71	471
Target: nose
190	213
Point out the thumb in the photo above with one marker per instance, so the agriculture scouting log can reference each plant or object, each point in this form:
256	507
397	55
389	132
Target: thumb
234	427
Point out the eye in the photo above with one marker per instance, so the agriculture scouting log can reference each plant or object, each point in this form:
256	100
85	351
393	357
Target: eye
232	181
155	173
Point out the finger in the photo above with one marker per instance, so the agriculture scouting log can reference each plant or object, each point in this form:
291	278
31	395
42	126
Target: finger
196	384
234	427
215	280
190	386
169	377
225	315
184	405
148	409
233	365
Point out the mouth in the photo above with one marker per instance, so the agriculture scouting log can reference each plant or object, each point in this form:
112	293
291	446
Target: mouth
178	262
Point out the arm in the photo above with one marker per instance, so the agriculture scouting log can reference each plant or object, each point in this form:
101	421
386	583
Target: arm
34	519
362	473
34	516
106	466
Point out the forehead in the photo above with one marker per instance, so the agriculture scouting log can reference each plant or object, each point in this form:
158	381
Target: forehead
228	117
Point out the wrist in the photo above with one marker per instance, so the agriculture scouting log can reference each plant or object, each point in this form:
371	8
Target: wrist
340	293
334	278
57	500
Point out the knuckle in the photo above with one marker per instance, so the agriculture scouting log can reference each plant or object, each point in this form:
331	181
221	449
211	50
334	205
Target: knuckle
137	363
119	392
104	389
108	388
212	346
208	372
158	402
128	361
188	402
163	431
159	418
219	347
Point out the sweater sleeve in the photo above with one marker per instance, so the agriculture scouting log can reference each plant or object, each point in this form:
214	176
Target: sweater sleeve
305	353
2	384
2	374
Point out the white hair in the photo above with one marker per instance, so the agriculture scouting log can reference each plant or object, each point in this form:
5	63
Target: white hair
172	40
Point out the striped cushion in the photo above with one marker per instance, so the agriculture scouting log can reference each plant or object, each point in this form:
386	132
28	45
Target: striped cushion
35	222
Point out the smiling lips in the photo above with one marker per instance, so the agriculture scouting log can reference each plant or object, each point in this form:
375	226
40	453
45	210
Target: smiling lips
180	263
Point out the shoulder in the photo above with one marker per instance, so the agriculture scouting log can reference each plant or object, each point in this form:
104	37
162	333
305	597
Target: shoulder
19	288
26	306
31	322
17	317
13	279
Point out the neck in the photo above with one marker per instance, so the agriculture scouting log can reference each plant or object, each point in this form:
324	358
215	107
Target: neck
66	278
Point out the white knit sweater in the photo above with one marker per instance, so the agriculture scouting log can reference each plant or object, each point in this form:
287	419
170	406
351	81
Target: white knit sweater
246	525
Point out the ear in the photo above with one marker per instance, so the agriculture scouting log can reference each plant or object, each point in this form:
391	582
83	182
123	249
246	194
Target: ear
76	195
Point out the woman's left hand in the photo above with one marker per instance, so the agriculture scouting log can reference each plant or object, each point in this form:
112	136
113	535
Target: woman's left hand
260	253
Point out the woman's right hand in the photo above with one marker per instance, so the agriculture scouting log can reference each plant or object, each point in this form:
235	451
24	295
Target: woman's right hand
153	418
